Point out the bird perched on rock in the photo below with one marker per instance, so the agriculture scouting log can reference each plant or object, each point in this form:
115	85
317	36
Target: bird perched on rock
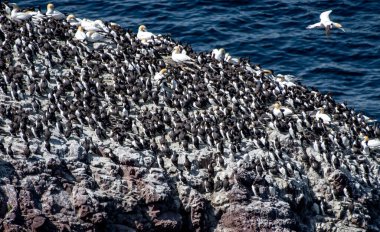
143	34
179	57
80	34
218	54
18	16
51	12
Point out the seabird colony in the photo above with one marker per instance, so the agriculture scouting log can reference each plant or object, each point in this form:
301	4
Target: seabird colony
201	119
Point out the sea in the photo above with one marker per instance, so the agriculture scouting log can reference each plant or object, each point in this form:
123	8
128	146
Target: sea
270	33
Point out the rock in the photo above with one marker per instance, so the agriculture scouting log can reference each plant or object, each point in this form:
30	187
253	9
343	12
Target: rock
168	222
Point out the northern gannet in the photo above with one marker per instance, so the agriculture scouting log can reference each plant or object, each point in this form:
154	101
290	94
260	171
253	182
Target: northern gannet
218	54
93	36
371	143
280	111
325	23
73	21
283	81
229	59
96	25
19	16
321	115
143	34
160	75
38	16
51	12
179	57
80	34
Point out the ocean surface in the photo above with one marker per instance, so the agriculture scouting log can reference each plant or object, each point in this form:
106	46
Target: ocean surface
271	33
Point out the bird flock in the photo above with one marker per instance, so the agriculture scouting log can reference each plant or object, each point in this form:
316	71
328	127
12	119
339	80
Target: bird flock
156	95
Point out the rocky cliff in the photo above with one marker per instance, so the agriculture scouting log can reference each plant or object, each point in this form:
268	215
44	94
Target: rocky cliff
113	135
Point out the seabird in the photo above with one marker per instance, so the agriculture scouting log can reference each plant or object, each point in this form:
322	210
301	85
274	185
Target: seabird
280	111
93	36
179	57
218	54
233	60
19	16
325	23
143	34
73	21
323	116
160	75
371	143
80	34
51	12
96	25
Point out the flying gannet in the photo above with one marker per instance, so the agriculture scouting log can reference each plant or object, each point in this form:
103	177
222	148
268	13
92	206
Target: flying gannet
325	23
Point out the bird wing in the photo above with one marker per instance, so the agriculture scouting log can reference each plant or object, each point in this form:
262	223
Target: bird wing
315	25
325	16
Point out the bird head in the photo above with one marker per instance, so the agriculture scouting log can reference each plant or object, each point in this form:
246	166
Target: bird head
50	6
277	105
339	26
366	138
70	17
176	49
222	51
163	71
267	72
80	28
142	28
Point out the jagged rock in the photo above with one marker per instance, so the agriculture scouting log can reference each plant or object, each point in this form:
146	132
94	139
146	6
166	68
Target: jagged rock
168	222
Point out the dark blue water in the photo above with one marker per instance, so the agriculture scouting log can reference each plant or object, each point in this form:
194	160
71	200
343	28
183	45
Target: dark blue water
271	33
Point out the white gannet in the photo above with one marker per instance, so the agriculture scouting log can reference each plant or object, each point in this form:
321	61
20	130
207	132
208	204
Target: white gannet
160	75
325	23
280	111
143	34
321	115
51	12
229	59
80	34
282	81
218	54
93	36
371	143
19	16
179	57
73	21
96	25
38	16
